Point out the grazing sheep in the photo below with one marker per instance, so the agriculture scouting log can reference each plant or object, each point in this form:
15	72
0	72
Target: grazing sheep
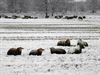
27	17
68	17
8	17
76	50
84	17
75	16
83	44
57	51
5	16
15	51
64	43
57	17
80	18
47	16
80	42
60	16
37	52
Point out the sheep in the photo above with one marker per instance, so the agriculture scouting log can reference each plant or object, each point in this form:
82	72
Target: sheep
15	51
80	18
57	17
84	17
75	16
64	43
68	17
46	16
82	43
37	52
57	51
27	17
75	50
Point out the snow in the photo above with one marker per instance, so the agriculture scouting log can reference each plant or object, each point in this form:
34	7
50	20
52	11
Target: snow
25	35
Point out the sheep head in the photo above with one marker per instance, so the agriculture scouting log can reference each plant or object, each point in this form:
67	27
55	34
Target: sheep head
20	48
40	49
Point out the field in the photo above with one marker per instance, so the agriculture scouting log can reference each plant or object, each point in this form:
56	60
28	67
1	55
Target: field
36	33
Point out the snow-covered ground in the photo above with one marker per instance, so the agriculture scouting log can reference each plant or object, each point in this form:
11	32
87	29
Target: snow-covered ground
37	33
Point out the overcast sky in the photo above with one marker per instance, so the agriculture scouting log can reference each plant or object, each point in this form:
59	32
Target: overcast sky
80	0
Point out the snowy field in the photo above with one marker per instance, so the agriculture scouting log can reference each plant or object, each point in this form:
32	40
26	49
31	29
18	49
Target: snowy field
45	33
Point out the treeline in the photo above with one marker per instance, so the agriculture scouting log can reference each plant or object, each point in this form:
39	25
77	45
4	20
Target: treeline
49	6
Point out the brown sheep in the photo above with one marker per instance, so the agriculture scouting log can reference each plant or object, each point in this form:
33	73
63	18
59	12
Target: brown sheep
15	51
64	43
57	51
37	52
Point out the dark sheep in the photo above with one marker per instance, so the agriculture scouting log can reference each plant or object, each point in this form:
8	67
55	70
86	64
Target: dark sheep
30	17
27	17
80	18
75	16
8	17
83	44
37	52
70	17
80	42
3	15
57	51
84	17
60	16
46	16
64	43
15	51
57	17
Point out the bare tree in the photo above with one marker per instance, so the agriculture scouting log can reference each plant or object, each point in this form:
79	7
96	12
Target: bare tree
59	6
23	5
17	6
93	5
3	6
11	5
41	5
46	8
53	6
